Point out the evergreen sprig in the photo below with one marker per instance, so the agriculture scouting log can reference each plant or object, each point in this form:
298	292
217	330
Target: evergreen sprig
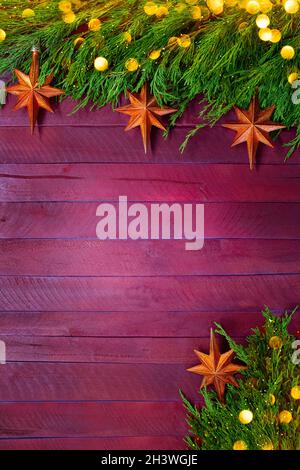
264	389
224	63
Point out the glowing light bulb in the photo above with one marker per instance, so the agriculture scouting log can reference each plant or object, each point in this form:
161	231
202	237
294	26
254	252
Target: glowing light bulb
265	34
252	7
291	6
262	21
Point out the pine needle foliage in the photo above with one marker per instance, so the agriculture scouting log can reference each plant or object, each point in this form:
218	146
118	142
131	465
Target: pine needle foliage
224	64
264	389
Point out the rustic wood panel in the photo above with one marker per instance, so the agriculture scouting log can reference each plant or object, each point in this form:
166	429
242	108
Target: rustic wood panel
91	419
126	324
93	443
147	258
99	334
78	220
27	382
206	293
110	144
105	350
200	183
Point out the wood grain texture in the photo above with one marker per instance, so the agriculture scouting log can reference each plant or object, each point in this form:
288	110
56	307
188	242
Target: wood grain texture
158	324
91	419
99	334
112	145
147	258
93	443
103	182
54	382
79	220
103	350
148	294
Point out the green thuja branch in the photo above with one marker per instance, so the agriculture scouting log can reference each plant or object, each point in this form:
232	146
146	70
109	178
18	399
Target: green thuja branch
269	388
223	63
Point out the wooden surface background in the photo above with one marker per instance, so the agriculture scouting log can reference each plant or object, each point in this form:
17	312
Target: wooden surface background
99	334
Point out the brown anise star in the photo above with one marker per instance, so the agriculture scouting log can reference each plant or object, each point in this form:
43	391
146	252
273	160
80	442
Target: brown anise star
253	126
31	94
217	368
144	112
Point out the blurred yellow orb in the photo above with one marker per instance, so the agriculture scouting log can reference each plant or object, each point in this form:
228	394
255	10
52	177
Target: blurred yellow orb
184	41
262	21
196	13
240	445
94	24
265	6
295	392
150	8
172	41
285	417
275	36
28	13
245	416
131	65
272	399
287	52
267	446
161	11
265	34
275	342
127	37
252	7
2	34
291	6
77	3
216	6
242	26
65	6
154	54
69	17
101	64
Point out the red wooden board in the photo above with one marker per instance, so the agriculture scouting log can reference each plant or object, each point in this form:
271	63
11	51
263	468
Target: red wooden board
78	220
147	258
99	334
160	324
91	419
157	182
207	293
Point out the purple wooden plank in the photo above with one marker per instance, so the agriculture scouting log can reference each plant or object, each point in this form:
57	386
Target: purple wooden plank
95	145
89	382
147	258
201	183
91	419
93	443
105	350
127	324
78	220
148	294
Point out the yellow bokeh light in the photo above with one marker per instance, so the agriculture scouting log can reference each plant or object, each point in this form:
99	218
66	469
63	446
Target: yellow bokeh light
252	7
262	21
94	24
131	65
265	34
287	52
291	6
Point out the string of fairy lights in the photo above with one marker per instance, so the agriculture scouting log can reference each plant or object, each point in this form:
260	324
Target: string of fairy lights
197	11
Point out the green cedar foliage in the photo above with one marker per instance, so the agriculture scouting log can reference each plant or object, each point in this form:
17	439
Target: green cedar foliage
224	65
216	426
